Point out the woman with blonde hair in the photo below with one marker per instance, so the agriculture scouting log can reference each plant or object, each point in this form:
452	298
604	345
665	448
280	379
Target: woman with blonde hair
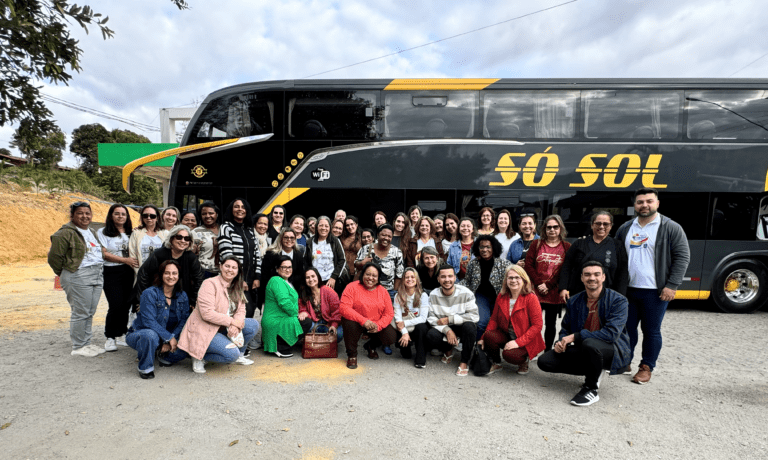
411	307
515	325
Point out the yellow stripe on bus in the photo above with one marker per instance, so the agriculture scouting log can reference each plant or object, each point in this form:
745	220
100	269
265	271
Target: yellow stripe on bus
765	189
285	196
439	83
692	295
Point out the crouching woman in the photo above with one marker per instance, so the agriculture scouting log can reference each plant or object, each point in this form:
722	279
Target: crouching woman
217	330
163	312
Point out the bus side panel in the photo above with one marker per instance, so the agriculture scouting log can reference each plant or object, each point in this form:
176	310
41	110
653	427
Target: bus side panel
717	252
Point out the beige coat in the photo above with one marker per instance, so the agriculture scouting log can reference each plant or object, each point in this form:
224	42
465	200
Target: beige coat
209	315
134	244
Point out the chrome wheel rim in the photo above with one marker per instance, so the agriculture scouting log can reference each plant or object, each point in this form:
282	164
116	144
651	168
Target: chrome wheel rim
741	286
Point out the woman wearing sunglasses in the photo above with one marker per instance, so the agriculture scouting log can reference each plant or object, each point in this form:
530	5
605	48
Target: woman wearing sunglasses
177	247
599	247
147	237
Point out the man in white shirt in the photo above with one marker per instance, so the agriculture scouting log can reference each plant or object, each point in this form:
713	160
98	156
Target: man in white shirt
658	256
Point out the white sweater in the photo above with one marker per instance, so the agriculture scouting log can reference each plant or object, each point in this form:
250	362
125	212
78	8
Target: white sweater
459	308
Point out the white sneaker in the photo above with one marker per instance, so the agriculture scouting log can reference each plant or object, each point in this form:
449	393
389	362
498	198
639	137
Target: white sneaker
85	351
198	366
95	348
110	345
120	341
244	361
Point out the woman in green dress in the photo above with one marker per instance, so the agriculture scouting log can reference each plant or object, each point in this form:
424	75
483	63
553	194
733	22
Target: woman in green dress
280	321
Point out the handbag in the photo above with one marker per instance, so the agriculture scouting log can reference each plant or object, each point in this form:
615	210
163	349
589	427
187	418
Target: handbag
319	345
479	362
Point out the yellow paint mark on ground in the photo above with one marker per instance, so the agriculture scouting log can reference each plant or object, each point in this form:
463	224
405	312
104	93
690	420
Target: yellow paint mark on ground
318	453
297	370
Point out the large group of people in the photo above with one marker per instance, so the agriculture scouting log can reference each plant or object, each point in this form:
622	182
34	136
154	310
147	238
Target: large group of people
188	285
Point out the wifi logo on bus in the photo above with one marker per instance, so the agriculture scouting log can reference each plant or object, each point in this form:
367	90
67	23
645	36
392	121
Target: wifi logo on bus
321	174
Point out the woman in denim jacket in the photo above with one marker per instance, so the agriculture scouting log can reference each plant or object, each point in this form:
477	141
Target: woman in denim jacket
163	312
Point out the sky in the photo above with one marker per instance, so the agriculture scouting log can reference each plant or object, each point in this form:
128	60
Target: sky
161	57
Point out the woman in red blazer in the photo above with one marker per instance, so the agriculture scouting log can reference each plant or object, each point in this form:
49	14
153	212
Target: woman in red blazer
515	324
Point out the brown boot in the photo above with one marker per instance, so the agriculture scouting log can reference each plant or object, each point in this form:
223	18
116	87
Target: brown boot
643	376
523	368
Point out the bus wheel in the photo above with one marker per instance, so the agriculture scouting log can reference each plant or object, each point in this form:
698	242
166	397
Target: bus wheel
740	287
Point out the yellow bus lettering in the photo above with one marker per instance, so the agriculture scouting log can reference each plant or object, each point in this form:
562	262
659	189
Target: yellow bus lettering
589	170
650	171
507	169
551	167
630	173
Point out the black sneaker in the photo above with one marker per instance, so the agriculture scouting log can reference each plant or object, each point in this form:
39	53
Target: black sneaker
585	397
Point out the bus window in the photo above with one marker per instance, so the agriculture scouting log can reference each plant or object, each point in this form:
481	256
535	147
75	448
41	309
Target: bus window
633	114
428	115
235	116
734	217
529	114
332	115
517	203
727	115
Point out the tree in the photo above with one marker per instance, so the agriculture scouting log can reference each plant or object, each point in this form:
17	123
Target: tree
35	44
144	190
42	143
49	154
86	140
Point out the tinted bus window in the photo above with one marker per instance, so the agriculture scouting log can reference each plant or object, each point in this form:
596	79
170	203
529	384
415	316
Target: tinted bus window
235	116
430	115
734	217
332	115
518	203
529	114
619	114
727	115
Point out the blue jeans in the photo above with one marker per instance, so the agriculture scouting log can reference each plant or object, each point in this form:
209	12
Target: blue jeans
222	350
322	322
646	309
485	308
146	342
392	294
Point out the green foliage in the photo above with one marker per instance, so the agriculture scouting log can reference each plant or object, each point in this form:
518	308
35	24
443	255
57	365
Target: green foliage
85	142
145	190
42	142
35	44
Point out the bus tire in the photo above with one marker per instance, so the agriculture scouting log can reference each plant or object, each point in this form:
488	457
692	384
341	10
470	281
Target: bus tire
740	286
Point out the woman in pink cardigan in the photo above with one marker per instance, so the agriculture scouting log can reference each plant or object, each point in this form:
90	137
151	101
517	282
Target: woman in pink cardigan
319	305
217	330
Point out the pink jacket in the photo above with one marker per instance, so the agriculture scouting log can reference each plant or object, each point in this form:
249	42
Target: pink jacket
209	315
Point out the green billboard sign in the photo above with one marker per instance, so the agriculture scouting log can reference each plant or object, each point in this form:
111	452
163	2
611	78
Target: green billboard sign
122	154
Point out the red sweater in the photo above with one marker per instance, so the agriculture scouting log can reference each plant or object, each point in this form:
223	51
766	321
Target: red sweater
526	321
358	304
329	307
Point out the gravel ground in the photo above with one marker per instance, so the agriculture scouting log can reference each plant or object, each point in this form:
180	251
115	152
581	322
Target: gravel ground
707	399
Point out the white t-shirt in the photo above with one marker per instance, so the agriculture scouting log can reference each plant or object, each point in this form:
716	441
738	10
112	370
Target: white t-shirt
421	244
322	259
641	245
506	243
93	252
115	245
148	245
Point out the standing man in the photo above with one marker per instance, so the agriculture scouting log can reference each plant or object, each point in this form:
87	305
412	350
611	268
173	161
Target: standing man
593	335
453	315
76	257
658	255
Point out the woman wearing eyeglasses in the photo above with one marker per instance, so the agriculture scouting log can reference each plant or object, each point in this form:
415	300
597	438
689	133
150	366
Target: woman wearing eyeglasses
601	248
543	263
280	322
515	325
147	237
285	244
177	247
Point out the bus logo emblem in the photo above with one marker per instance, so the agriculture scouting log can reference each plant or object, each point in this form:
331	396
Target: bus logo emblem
198	171
321	174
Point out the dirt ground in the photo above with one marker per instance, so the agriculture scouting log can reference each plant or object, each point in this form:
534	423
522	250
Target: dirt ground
707	399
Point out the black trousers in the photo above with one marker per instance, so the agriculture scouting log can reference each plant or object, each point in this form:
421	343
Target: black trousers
466	333
589	358
550	312
118	287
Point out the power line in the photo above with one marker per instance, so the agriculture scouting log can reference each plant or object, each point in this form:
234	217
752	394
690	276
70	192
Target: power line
98	113
443	39
734	73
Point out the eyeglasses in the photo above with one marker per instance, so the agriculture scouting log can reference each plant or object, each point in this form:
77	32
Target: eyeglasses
602	224
149	216
277	213
289	238
285	268
552	227
529	214
515	278
181	237
81	204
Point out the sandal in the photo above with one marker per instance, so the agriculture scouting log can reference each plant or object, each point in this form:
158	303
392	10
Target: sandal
462	372
495	368
352	363
446	359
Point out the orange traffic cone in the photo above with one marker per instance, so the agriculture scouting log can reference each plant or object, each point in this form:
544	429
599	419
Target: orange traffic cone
57	284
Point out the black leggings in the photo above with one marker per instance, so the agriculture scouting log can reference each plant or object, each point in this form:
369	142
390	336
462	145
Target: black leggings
550	311
118	287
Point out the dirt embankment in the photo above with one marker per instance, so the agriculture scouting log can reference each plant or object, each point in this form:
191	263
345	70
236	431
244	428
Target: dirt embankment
27	220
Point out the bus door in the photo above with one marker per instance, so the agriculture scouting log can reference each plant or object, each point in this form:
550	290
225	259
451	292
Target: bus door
189	198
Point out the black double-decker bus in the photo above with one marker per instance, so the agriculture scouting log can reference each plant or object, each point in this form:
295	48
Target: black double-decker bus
569	147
